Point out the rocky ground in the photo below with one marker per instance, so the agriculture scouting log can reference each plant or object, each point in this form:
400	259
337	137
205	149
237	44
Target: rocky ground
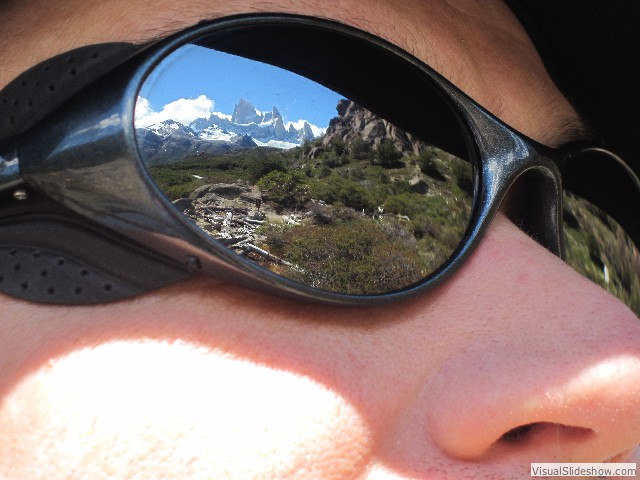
232	214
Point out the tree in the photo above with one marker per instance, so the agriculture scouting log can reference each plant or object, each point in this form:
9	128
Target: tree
359	149
286	189
386	154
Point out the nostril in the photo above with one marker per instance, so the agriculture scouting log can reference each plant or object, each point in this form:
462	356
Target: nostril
538	429
518	434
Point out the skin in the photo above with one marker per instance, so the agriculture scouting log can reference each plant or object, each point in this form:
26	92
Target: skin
208	380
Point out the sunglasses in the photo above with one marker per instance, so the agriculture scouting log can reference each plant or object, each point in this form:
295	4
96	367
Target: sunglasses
290	154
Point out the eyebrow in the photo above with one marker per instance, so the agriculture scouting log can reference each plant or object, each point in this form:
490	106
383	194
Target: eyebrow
571	128
157	34
562	129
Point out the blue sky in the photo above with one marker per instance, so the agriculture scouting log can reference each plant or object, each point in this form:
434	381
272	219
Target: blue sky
193	72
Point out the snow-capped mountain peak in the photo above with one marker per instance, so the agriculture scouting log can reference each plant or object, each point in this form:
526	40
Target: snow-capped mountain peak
214	133
245	113
169	127
247	127
263	127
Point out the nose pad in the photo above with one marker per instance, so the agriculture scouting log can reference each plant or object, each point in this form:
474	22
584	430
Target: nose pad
534	204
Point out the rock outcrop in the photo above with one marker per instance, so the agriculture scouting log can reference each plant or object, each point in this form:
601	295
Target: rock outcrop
354	121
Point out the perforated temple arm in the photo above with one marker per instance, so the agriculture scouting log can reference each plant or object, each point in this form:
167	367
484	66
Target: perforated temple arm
41	89
36	93
49	254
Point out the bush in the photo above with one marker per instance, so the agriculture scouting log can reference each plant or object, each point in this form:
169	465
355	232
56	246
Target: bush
332	160
359	149
260	164
463	173
286	189
593	240
403	204
354	257
342	191
387	155
427	161
329	215
338	146
174	183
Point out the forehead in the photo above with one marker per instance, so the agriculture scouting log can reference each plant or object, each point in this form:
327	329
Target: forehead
430	29
478	45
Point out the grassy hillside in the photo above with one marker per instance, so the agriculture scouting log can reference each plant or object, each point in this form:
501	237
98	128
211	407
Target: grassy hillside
372	218
598	248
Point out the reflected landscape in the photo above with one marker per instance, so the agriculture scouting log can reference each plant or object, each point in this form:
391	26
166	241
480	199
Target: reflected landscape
598	248
298	179
314	187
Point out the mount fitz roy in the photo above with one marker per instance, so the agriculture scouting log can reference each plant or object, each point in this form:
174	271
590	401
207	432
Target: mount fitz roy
170	141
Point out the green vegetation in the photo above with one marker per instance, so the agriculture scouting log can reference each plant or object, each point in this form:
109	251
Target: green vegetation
387	155
351	257
286	189
179	179
596	244
366	227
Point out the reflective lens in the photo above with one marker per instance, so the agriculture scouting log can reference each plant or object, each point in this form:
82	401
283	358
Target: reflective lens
297	178
598	248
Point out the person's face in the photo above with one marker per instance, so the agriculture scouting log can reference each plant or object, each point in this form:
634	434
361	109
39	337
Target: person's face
515	359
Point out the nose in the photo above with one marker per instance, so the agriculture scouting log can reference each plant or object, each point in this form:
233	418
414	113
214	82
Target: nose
554	375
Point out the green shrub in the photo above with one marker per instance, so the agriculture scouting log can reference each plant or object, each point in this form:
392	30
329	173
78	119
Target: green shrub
338	146
359	149
324	172
428	164
387	155
174	184
593	241
260	163
342	191
355	257
333	160
463	174
403	204
286	189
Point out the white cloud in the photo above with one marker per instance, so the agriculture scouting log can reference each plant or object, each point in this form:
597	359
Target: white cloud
183	110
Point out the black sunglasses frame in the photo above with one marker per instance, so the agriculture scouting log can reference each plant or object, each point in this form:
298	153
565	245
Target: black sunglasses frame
85	157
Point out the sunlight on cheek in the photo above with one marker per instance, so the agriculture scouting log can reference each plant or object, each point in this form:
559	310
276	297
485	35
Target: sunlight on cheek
174	408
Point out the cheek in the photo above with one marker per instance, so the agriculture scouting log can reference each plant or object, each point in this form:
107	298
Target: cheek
171	410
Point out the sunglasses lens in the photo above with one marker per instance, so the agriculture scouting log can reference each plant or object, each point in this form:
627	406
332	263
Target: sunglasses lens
297	178
598	248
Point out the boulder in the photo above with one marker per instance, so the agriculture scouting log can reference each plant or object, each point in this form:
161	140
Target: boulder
418	185
229	191
183	204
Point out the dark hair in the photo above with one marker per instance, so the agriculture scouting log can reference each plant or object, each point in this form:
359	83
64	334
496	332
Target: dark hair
592	50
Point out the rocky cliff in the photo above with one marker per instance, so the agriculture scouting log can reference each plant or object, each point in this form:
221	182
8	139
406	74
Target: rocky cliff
355	122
